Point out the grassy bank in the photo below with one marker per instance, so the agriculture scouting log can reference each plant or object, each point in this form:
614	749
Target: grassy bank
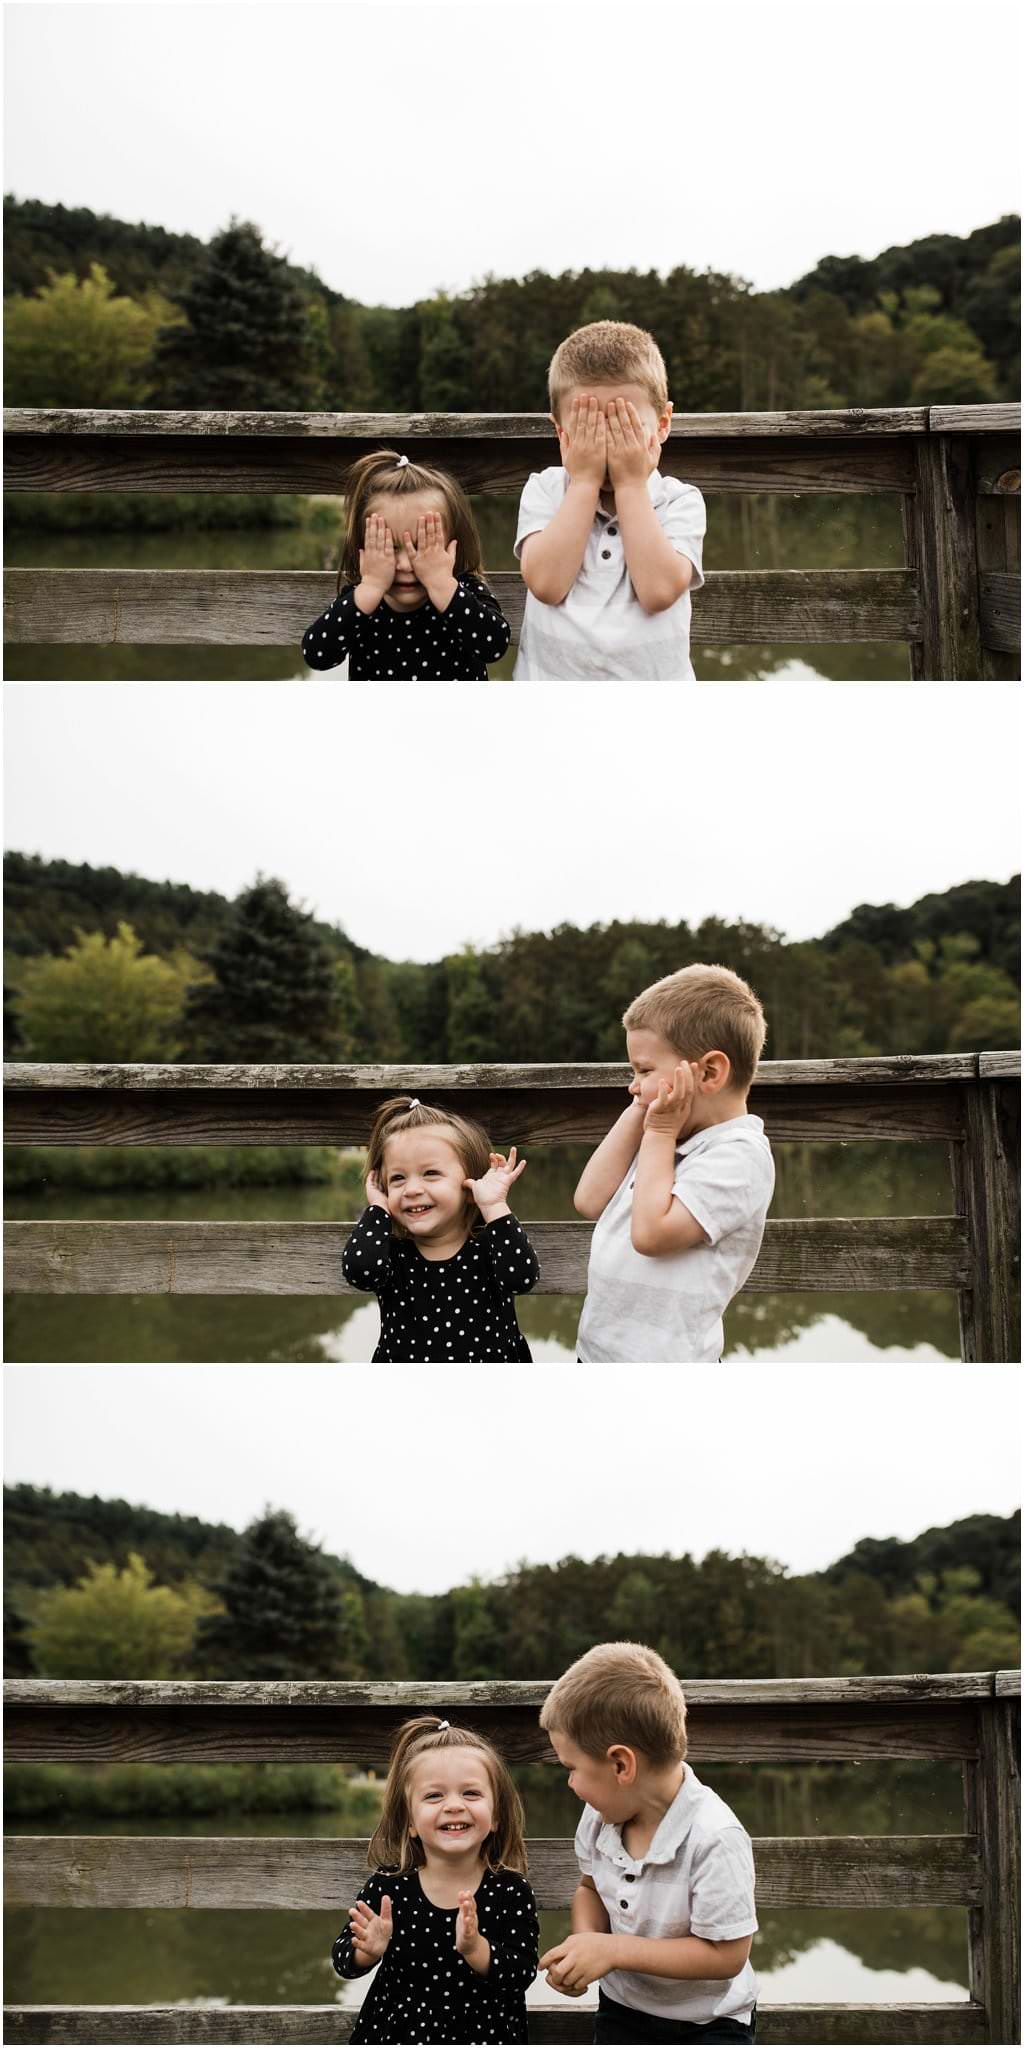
175	511
124	1790
34	1169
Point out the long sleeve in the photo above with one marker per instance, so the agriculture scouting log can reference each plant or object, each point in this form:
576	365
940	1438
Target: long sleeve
513	1261
366	1259
335	634
343	1953
515	1948
474	626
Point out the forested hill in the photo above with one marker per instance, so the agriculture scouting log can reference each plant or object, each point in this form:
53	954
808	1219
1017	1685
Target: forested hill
939	975
942	1601
935	321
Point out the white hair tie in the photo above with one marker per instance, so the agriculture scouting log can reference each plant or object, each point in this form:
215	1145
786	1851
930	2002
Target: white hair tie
414	1102
442	1725
403	462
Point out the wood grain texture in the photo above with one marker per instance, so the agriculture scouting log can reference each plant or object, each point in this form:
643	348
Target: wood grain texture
551	2022
992	1803
1000	611
854	423
846	1696
905	1069
974	419
986	1186
942	548
228	607
278	1873
82	1257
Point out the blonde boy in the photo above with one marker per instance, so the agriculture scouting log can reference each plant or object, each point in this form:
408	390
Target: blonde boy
680	1187
664	1913
610	549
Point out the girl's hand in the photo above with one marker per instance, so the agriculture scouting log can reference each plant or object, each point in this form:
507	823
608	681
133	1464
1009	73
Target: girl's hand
577	1963
432	561
371	1931
376	559
673	1105
375	1195
469	1941
491	1190
584	443
631	454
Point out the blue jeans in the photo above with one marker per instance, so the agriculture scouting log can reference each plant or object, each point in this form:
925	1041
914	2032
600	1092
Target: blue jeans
618	2026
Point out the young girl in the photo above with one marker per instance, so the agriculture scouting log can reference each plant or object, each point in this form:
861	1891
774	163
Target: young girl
412	604
438	1244
448	1915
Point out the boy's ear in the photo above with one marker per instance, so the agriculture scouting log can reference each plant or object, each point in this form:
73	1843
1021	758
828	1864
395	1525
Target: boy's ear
553	417
717	1072
665	421
623	1762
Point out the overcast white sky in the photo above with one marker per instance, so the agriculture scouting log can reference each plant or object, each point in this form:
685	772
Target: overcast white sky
422	1490
399	148
454	815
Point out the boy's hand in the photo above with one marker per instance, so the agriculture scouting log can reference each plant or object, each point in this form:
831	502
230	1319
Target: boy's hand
491	1190
584	444
371	1932
375	1194
377	557
433	563
632	455
673	1105
469	1941
577	1963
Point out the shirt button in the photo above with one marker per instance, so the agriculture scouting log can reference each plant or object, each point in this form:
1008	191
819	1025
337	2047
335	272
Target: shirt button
613	530
624	1903
630	1877
606	554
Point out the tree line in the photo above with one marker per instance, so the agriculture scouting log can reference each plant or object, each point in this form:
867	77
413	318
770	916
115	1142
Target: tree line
83	1602
100	312
102	967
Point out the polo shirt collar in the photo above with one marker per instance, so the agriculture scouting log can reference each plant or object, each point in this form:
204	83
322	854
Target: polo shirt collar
655	491
670	1832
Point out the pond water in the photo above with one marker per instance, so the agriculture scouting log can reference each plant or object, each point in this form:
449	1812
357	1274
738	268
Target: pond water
67	1956
813	1180
755	532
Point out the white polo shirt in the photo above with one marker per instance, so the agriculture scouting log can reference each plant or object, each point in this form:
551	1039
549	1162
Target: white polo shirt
667	1308
697	1877
600	629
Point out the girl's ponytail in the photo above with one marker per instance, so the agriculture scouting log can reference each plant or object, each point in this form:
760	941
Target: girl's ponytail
393	1845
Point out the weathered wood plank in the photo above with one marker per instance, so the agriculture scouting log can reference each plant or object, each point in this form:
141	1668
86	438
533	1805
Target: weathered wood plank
1007	1685
228	607
82	1257
1000	611
997	466
276	1873
939	529
551	2022
854	422
986	1181
997	519
153	463
769	1720
992	1803
999	1066
901	1098
1002	418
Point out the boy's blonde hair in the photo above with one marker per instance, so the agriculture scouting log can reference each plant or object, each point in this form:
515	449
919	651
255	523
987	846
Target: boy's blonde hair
620	1692
406	1113
393	1844
608	352
704	1009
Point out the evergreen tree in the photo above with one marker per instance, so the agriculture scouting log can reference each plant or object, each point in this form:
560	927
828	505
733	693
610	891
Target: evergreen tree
284	1614
251	341
275	995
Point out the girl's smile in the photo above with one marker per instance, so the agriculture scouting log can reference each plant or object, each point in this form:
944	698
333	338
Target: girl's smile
423	1178
451	1803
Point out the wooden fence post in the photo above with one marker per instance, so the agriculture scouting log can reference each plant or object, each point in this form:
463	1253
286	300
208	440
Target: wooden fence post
992	1790
986	1168
941	541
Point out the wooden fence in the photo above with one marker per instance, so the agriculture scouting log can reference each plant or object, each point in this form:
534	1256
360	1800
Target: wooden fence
955	600
967	1718
971	1101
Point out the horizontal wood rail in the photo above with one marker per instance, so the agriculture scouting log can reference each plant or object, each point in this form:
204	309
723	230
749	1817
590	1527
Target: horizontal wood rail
969	1100
970	1716
955	601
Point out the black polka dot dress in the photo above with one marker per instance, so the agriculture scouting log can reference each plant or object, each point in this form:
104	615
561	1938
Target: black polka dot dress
444	1311
424	1990
425	646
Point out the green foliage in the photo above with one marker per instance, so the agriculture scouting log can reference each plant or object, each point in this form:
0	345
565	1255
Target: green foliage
105	1000
115	1624
251	340
283	1610
124	1790
272	991
80	344
99	1167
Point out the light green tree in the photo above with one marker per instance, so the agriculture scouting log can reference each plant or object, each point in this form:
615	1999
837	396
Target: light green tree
76	342
104	999
116	1624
